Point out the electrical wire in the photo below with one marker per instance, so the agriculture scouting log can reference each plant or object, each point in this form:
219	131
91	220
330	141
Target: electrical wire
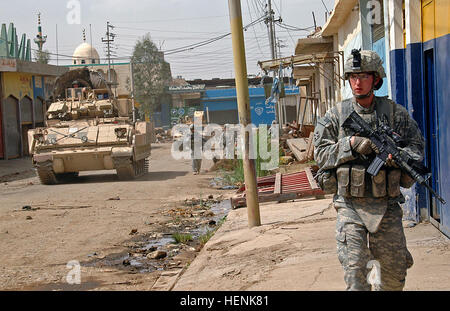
254	32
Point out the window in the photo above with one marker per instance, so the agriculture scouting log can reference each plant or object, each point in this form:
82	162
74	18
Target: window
83	61
93	61
74	62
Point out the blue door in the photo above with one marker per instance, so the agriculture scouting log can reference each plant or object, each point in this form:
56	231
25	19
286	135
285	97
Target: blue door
432	147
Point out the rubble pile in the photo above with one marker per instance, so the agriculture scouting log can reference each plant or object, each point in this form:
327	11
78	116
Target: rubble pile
163	136
297	143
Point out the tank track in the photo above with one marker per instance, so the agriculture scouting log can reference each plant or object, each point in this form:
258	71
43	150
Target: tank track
48	177
124	168
45	173
128	169
146	165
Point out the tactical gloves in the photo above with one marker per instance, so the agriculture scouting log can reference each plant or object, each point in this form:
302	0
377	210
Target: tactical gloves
391	163
363	145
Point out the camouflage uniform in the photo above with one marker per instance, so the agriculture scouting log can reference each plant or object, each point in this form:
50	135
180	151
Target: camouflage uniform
368	227
196	154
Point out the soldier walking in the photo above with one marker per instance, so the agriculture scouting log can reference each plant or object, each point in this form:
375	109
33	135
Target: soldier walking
369	218
196	155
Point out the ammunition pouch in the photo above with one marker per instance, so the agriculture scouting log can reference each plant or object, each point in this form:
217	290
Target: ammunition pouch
327	181
406	181
394	183
357	185
379	184
343	177
352	179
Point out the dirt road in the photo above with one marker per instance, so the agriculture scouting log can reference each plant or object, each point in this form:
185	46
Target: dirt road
106	225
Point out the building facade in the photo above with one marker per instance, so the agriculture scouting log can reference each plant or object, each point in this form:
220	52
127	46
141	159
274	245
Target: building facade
218	100
25	88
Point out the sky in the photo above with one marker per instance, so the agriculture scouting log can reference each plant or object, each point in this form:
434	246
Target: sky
171	24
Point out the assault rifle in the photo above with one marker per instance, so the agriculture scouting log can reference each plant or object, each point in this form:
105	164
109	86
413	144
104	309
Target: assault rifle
386	141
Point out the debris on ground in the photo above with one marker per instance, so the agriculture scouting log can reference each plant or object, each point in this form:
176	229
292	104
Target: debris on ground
193	220
157	255
162	136
223	165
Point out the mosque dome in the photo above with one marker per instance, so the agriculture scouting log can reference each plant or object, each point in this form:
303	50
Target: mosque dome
85	54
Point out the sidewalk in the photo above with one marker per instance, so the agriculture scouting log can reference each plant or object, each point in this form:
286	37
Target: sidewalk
294	250
9	168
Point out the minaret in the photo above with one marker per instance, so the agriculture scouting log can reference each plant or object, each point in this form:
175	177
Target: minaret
40	39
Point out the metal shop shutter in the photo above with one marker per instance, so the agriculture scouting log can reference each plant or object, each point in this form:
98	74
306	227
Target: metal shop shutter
12	132
39	110
26	110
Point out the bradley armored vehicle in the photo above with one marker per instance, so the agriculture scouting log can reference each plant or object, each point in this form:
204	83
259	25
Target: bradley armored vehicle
88	129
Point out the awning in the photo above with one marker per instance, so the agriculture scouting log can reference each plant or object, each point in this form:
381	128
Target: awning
314	45
340	12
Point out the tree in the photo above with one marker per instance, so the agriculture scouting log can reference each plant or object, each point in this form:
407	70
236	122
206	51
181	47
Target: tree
42	57
150	73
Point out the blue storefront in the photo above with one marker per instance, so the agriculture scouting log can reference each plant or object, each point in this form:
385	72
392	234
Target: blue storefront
221	105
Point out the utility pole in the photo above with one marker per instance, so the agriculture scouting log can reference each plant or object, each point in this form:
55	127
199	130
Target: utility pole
273	50
240	66
271	30
109	39
314	19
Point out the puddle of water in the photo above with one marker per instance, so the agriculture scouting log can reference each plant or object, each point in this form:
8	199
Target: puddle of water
220	210
139	263
158	243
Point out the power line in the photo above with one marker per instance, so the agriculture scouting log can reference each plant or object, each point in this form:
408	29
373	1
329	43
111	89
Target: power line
254	32
326	9
171	19
159	30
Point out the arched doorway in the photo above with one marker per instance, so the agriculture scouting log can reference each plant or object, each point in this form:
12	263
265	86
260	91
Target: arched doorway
12	129
39	112
26	119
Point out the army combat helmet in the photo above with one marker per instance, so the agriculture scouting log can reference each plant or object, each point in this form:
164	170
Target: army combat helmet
368	62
